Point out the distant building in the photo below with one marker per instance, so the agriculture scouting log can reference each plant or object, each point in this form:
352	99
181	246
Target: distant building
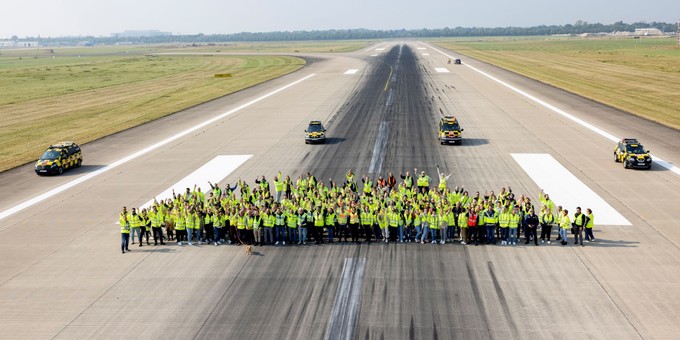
648	32
18	44
140	33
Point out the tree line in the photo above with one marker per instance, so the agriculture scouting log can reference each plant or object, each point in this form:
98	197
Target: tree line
579	27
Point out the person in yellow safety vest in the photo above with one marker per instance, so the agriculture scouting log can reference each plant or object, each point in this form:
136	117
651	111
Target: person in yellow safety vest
442	179
242	227
135	226
515	219
367	220
179	220
589	225
547	219
503	224
219	223
268	221
580	221
303	221
342	216
278	186
256	227
280	226
423	181
433	220
408	225
157	221
490	218
443	217
408	180
462	224
191	221
368	186
393	218
319	222
292	225
383	222
565	224
330	224
558	222
124	221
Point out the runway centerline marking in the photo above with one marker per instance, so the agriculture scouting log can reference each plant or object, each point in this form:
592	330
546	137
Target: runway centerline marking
565	188
426	54
352	71
380	49
30	202
441	70
657	160
213	171
347	296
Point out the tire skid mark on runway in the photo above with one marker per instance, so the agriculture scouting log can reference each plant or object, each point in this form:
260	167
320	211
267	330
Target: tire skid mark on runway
379	149
346	306
659	161
501	298
35	200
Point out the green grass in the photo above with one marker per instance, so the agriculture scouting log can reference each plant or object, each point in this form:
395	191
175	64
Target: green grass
85	94
640	76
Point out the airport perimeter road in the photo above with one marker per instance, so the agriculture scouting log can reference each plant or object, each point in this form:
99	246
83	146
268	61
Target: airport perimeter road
62	274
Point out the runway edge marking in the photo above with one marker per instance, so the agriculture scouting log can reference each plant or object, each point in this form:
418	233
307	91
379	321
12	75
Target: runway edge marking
565	189
213	171
35	200
661	162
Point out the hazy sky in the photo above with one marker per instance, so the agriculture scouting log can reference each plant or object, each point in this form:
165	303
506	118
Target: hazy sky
95	17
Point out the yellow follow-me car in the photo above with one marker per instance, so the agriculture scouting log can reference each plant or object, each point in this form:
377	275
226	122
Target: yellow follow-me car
59	157
450	131
315	132
632	154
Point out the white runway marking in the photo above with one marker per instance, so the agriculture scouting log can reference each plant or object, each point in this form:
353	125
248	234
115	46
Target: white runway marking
659	161
426	54
567	190
214	171
380	49
422	48
64	187
374	55
441	70
351	71
347	297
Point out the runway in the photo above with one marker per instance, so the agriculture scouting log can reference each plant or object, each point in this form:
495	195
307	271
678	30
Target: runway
62	274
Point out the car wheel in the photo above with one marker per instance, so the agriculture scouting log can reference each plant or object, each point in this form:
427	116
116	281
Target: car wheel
60	170
460	142
616	158
625	164
79	163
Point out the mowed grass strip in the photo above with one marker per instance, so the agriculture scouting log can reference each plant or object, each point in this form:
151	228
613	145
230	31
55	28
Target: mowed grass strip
640	76
47	100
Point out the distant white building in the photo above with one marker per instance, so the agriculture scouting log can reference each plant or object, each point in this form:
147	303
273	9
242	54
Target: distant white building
139	34
18	44
648	32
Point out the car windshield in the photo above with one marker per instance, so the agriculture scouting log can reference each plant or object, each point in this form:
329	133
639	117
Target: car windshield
450	127
315	128
637	149
50	155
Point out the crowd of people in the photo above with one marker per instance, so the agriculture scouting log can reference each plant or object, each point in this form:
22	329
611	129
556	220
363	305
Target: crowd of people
411	209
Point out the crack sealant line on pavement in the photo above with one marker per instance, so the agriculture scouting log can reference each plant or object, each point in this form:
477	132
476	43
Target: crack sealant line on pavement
347	297
661	162
35	200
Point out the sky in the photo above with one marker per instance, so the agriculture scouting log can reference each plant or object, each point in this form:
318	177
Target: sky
54	18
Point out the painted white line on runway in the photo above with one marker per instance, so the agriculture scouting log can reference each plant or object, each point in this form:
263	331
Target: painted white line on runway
380	49
347	298
66	186
374	55
659	161
426	54
214	171
351	71
567	190
422	48
441	70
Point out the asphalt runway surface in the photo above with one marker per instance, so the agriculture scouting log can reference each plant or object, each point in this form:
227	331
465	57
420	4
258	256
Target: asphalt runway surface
62	274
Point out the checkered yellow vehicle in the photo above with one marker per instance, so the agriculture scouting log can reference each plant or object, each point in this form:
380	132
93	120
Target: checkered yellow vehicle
59	157
450	131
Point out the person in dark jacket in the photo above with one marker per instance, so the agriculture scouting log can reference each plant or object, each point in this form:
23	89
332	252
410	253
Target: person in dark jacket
531	220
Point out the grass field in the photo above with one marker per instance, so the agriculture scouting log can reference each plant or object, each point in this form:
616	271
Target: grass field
84	94
640	76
